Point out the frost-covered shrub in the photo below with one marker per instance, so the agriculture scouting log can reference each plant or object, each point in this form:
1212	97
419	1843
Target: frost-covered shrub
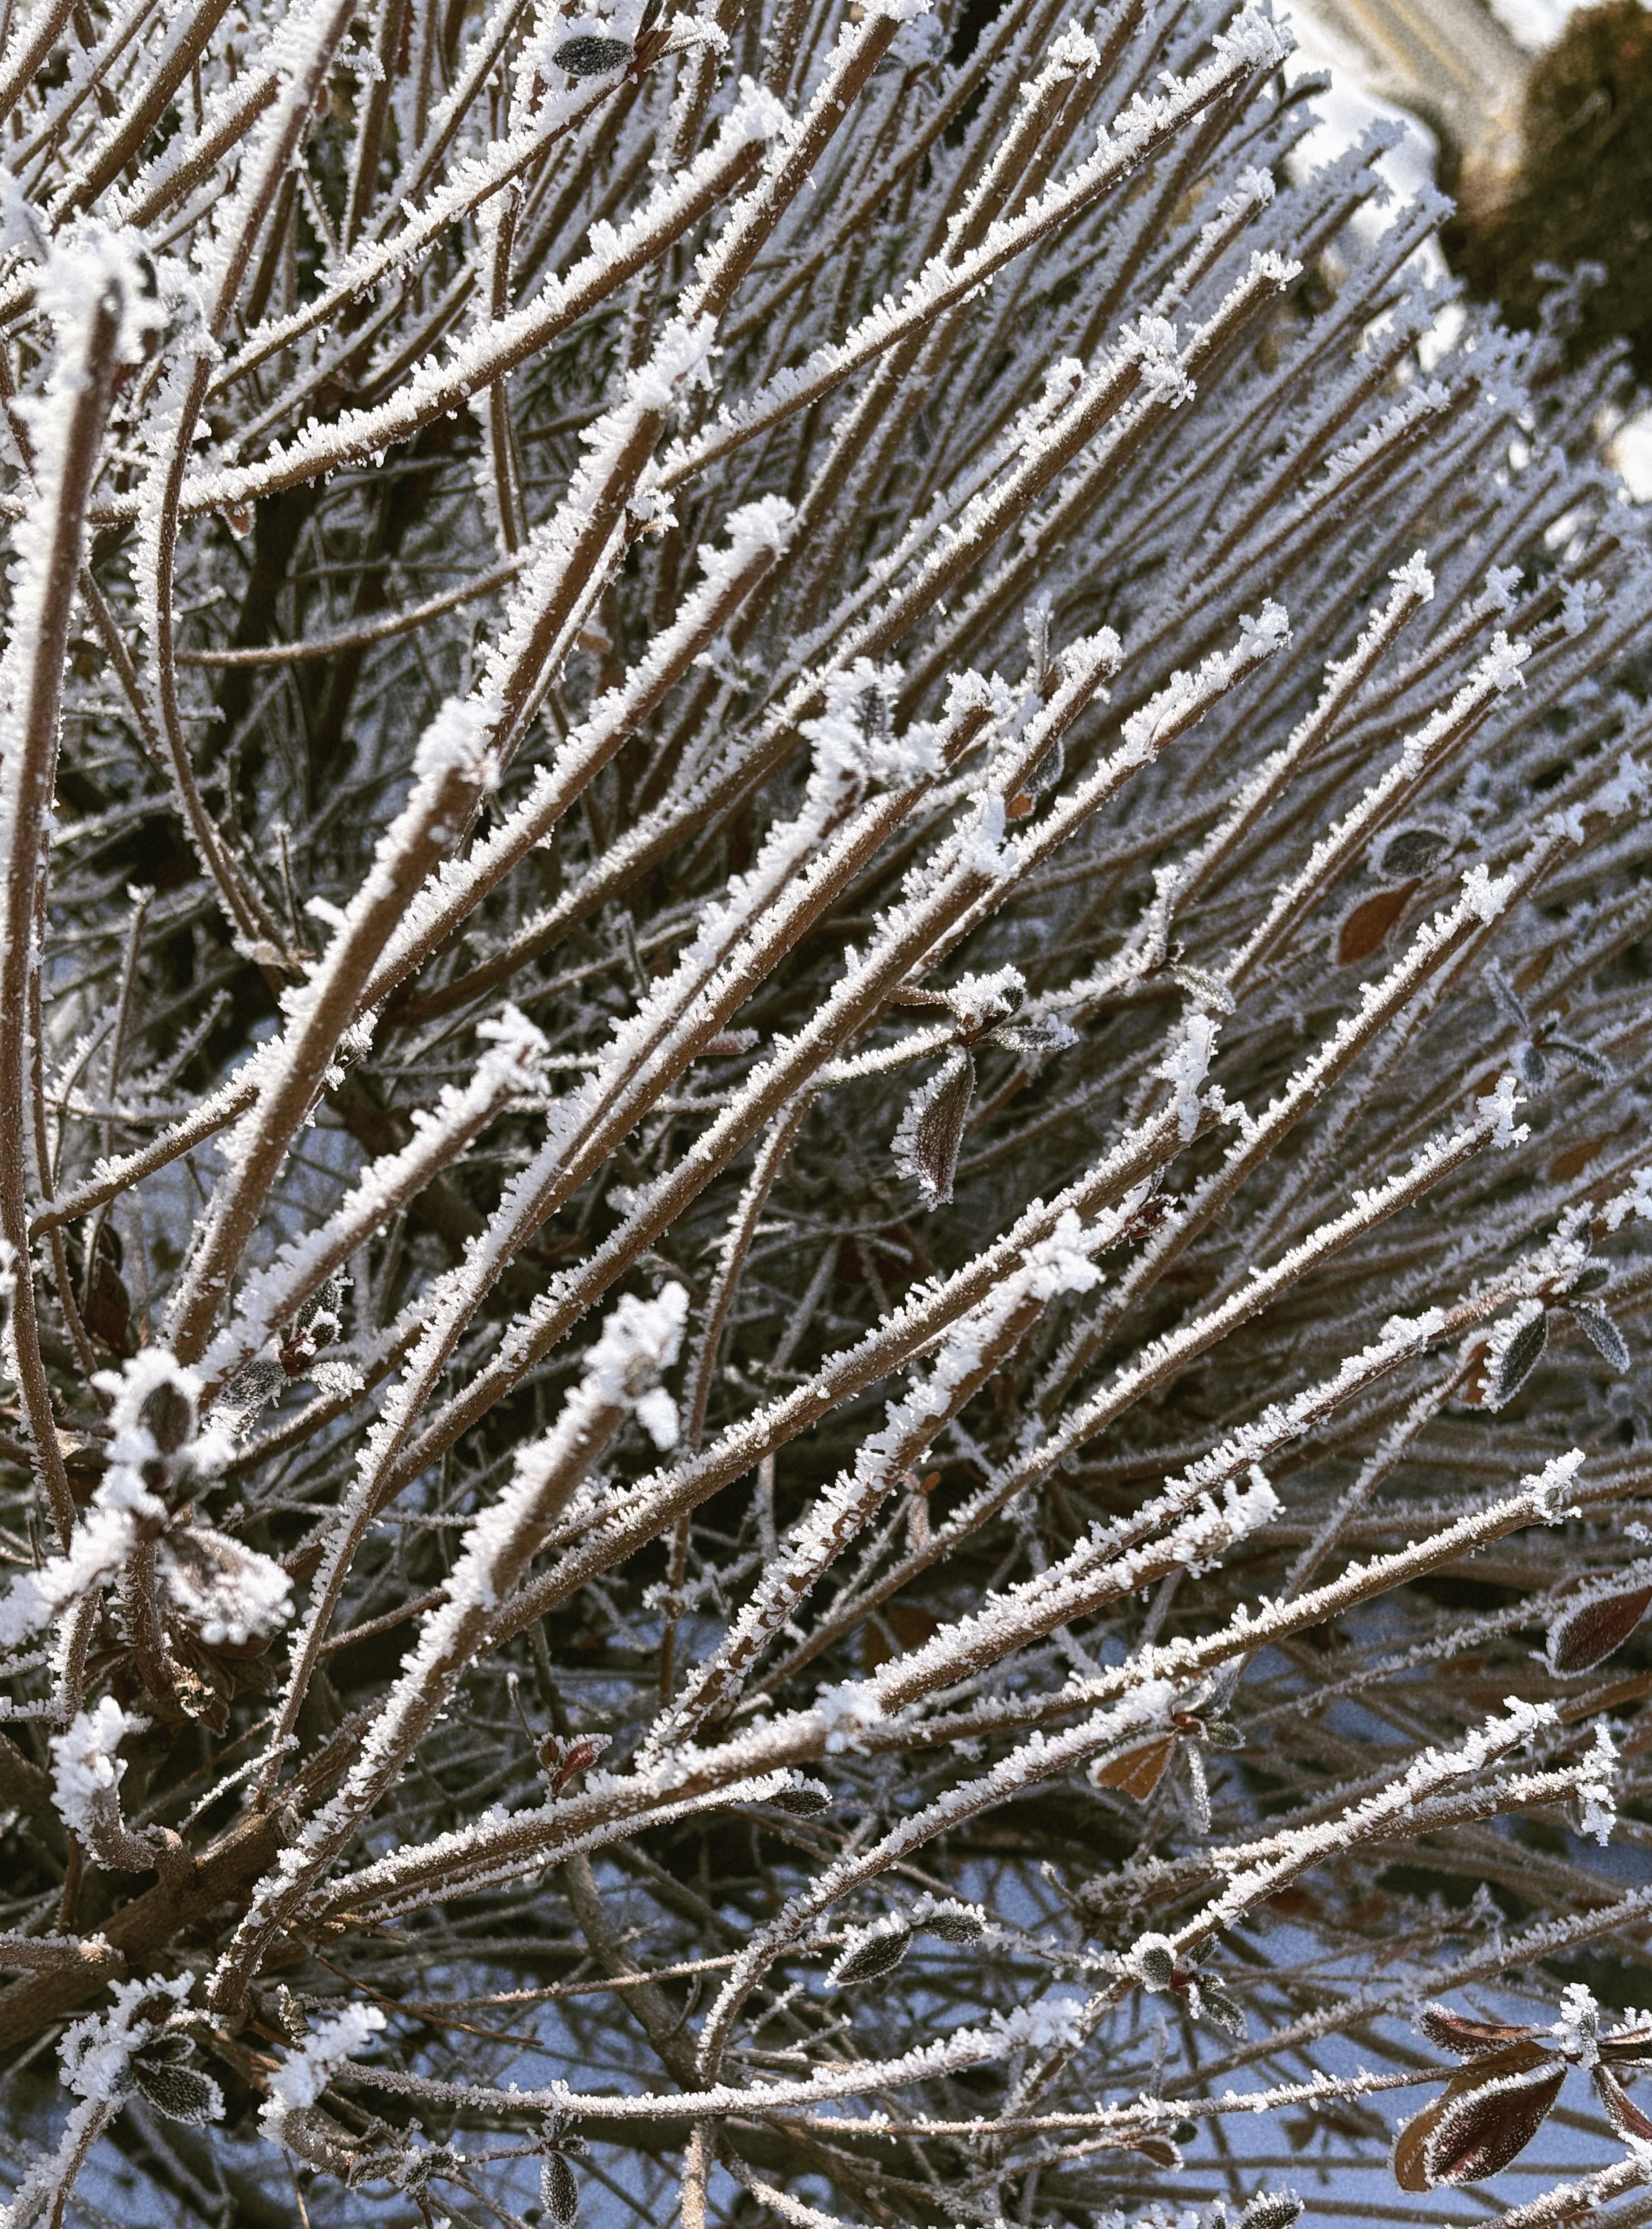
822	1141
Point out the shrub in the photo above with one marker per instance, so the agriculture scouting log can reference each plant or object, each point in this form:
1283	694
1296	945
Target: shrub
821	1012
1583	195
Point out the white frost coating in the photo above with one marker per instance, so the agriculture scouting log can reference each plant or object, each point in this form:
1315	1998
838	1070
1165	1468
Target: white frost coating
228	1592
235	1592
99	1547
1059	1262
514	1062
853	739
1501	592
681	358
1186	696
765	525
846	1712
1251	41
1501	1102
446	382
1435	1770
979	1000
983	848
1503	661
1093	1572
307	2071
1597	1793
640	1338
1628	790
1416	577
1577	2029
1186	1066
87	267
1548	1488
1578	606
1052	2024
1059	1265
86	1772
95	2055
95	2052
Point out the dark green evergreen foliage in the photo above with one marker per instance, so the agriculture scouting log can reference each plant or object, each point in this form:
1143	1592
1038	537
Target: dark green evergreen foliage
1584	193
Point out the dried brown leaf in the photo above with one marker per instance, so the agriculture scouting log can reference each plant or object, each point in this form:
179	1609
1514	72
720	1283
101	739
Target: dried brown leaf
1364	929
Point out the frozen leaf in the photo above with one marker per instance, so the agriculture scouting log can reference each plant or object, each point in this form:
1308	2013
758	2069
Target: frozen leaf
179	2093
1410	853
956	1926
1138	1771
1588	1634
1364	929
1484	2120
1522	1355
1508	1002
1222	2011
1584	1056
927	1144
1469	2039
876	1954
1035	1037
167	1414
1531	1066
588	56
1602	1335
1153	1961
563	1762
1627	2119
558	2190
808	1801
1628	2046
1271	2209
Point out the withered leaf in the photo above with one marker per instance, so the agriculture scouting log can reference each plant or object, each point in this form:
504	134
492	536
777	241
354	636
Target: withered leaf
168	1416
1584	1636
179	2093
1478	2127
806	1803
1602	1335
1469	2039
879	1954
1138	1771
1520	1357
1411	851
558	2190
1625	2115
956	1926
1364	929
591	57
1271	2209
937	1116
1631	2046
1221	2010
